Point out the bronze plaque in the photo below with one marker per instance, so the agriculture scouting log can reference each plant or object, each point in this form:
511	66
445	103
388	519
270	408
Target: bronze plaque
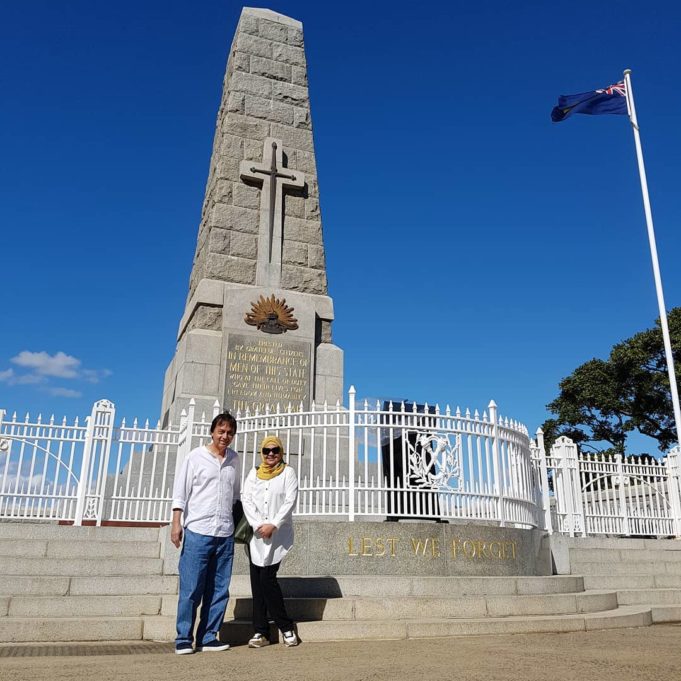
265	371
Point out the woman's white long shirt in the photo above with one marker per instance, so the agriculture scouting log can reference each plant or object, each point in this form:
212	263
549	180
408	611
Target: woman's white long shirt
270	501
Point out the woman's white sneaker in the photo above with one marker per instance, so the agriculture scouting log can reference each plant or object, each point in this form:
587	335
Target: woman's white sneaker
258	641
290	638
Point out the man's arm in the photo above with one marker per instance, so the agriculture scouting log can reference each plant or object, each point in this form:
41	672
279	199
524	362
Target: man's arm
181	494
176	528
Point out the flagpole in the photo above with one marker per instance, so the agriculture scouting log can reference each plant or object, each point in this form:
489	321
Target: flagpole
653	254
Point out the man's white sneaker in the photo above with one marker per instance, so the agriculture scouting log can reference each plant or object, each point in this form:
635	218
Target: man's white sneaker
290	638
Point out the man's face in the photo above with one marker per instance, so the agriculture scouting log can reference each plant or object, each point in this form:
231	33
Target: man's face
222	435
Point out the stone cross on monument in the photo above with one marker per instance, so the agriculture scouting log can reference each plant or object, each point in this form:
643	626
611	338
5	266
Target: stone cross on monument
268	270
256	327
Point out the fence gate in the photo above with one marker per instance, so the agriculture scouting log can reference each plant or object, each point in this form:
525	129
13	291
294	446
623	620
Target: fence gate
40	468
612	494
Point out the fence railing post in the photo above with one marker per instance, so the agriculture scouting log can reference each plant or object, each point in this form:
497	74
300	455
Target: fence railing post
674	488
544	482
4	445
561	489
567	486
351	452
104	418
85	467
184	443
577	494
621	495
496	464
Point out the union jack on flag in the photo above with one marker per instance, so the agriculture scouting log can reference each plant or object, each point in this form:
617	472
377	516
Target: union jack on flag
609	100
616	89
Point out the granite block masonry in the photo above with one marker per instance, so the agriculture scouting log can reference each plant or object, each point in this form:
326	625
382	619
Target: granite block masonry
256	328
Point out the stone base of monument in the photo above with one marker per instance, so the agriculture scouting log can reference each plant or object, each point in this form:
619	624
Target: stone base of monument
403	548
244	368
72	584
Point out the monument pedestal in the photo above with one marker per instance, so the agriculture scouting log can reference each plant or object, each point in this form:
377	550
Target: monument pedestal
221	356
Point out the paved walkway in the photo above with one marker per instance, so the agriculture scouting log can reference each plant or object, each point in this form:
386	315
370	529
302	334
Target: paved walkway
646	654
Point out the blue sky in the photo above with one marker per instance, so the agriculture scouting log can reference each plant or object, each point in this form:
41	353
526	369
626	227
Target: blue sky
475	250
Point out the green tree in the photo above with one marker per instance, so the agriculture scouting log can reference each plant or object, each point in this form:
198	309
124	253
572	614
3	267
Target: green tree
602	401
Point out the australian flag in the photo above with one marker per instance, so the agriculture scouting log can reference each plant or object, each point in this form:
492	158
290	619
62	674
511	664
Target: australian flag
609	100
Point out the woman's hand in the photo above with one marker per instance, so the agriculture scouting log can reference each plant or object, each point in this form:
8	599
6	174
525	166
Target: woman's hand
266	531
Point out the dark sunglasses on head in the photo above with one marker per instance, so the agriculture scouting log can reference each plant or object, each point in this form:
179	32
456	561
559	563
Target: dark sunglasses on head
271	450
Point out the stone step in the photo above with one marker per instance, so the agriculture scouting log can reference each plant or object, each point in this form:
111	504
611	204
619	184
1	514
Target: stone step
649	596
413	607
66	629
432	627
622	543
123	585
20	548
397	586
36	586
85	566
668	581
635	555
301	587
666	613
61	548
619	582
83	606
631	567
25	530
239	631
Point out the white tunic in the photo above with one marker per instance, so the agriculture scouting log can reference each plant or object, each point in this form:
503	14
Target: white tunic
270	501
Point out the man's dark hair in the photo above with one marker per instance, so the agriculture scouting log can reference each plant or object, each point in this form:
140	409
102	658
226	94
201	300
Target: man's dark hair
225	417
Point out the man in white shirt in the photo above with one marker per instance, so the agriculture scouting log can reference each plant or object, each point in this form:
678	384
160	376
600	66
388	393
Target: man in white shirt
205	490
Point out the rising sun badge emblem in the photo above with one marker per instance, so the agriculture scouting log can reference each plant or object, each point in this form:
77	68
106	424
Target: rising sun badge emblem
271	315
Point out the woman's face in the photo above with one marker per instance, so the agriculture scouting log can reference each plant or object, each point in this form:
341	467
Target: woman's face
272	454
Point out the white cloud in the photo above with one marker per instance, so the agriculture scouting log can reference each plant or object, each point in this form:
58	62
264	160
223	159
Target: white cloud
12	378
41	367
63	392
28	379
95	375
60	365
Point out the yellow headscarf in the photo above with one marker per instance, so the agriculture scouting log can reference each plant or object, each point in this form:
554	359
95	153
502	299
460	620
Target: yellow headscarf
264	471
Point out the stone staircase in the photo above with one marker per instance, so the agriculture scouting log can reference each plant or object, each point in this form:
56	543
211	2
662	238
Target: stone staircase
61	584
422	607
640	571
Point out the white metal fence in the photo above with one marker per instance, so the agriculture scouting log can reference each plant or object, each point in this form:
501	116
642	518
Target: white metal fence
371	460
609	494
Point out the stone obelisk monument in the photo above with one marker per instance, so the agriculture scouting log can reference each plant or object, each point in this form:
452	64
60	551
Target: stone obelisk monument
256	329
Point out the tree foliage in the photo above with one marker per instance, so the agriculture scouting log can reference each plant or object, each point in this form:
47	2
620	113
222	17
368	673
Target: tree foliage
602	401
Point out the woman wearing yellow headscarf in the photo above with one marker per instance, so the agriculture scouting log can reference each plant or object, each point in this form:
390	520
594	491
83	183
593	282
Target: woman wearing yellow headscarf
268	498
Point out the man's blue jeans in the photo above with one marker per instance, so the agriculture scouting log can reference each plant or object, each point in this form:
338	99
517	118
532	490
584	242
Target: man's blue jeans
205	572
